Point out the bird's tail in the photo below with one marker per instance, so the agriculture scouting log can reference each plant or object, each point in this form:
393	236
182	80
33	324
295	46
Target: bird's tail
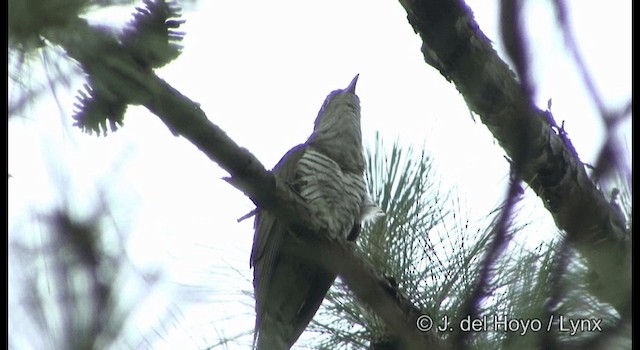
269	339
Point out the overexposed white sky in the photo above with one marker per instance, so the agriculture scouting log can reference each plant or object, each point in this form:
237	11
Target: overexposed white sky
261	70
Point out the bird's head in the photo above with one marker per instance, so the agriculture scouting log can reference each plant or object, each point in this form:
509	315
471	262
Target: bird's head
339	105
336	131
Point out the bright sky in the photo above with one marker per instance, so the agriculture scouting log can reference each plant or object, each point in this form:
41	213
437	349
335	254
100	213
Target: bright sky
261	70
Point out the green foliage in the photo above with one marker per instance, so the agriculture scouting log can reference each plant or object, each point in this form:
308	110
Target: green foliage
115	65
95	110
426	248
150	41
79	287
151	37
35	66
28	20
398	245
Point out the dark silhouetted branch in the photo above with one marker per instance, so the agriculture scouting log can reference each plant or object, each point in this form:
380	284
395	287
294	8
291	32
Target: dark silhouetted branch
454	45
185	118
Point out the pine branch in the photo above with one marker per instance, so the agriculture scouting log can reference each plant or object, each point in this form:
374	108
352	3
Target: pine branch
454	44
184	117
151	37
498	243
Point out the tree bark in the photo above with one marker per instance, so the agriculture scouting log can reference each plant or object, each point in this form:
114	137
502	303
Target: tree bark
185	118
454	45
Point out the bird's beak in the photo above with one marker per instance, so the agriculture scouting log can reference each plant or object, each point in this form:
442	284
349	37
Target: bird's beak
352	85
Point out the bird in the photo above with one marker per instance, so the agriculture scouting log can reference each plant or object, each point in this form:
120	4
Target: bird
328	172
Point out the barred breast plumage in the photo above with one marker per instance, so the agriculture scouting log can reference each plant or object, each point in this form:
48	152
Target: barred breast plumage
335	196
328	172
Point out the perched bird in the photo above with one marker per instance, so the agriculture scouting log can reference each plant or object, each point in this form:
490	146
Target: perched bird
327	171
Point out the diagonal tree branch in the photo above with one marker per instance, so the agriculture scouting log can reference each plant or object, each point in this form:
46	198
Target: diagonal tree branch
184	117
455	46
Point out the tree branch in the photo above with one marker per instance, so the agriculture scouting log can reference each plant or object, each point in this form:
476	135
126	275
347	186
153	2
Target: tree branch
454	44
184	117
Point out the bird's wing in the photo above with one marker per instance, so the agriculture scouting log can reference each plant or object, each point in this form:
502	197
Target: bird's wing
265	223
270	235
